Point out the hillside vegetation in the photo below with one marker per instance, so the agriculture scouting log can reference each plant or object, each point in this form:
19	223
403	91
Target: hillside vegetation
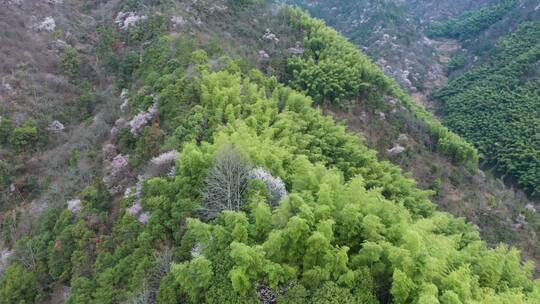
495	106
333	70
473	22
222	181
392	34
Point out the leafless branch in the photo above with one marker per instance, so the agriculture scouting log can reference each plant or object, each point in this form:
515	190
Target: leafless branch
226	183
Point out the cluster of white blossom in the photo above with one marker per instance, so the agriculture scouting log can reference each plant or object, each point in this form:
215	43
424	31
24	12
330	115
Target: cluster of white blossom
521	222
109	151
56	126
59	46
125	100
397	149
178	21
196	251
136	208
262	55
392	101
276	186
218	8
144	217
127	192
298	49
48	25
138	187
166	158
119	124
172	172
269	36
165	164
403	138
74	205
118	164
116	170
6	86
126	20
142	119
4	259
13	2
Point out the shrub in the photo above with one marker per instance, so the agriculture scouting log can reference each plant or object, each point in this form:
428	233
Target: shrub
5	130
199	58
96	198
70	62
85	103
81	291
105	48
18	286
5	178
456	62
169	291
297	294
194	277
331	293
24	137
31	187
125	141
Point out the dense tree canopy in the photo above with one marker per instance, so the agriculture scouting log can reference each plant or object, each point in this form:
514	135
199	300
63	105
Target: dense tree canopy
334	70
473	22
351	227
347	228
496	106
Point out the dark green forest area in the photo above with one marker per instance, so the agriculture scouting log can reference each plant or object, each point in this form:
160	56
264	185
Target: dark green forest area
495	106
472	23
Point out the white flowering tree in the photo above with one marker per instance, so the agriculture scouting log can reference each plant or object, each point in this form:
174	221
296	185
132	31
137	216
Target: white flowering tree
275	186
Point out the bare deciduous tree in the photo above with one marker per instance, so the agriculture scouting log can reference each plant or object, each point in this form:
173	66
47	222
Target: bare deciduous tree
226	182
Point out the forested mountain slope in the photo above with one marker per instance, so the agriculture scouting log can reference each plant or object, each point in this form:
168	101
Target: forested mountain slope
216	178
391	32
44	105
395	35
495	103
